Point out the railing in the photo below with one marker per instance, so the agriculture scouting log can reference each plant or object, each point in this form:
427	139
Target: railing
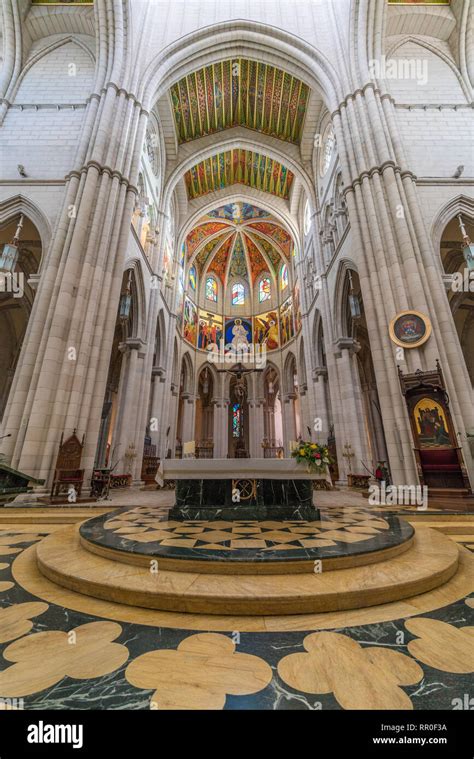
272	449
205	450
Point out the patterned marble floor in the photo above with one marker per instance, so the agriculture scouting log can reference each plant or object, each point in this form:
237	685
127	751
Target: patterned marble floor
55	657
344	531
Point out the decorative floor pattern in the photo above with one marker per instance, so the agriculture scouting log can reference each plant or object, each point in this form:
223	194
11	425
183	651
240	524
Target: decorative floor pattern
53	657
339	532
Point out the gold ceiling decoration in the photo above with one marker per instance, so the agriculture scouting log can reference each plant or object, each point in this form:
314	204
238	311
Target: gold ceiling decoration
239	92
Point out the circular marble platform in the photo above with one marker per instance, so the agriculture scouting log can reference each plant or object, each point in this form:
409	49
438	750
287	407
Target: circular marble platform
339	539
430	562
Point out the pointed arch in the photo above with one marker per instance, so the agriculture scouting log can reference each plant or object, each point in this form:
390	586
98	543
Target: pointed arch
340	297
19	204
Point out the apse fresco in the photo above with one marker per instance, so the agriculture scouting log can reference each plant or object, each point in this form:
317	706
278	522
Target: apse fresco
239	92
277	234
190	320
270	250
257	262
218	264
207	251
239	166
238	263
198	234
297	307
287	327
180	298
241	242
266	330
210	330
238	333
244	211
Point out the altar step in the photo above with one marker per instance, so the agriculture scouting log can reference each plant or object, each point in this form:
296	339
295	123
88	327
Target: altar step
431	561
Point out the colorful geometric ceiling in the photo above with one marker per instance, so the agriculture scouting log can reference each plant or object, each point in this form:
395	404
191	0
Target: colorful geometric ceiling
238	240
239	167
240	92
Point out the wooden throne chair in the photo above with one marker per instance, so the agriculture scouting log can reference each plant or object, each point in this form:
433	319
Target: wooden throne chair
68	472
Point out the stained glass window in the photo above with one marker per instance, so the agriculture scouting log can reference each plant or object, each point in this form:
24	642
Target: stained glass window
264	289
211	289
307	218
192	277
238	294
236	420
284	276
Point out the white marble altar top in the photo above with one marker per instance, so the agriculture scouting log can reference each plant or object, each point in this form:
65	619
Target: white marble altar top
233	469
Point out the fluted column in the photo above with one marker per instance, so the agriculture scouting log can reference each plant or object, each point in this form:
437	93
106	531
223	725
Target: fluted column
289	420
321	435
354	427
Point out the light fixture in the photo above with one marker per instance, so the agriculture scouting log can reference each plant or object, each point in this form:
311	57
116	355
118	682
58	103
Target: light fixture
126	301
9	256
354	303
468	247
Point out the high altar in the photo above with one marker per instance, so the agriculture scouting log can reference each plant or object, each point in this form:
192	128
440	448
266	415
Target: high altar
240	488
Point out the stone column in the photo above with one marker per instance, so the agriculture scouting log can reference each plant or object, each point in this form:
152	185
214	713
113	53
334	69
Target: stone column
189	414
156	409
354	428
289	420
256	431
320	375
128	402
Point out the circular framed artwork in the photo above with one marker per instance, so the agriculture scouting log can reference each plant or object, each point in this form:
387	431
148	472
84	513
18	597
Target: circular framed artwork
410	329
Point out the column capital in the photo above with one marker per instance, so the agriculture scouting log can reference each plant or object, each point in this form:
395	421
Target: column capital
320	371
158	371
132	344
347	344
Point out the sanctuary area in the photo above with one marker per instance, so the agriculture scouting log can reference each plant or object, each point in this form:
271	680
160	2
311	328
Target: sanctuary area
236	356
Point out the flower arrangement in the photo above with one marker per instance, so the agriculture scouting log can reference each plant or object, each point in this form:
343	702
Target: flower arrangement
316	457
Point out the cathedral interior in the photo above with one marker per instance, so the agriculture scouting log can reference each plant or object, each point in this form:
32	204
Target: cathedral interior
237	341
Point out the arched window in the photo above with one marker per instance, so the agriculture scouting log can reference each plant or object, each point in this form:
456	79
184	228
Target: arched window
307	218
327	151
238	294
211	289
264	289
284	277
192	278
236	420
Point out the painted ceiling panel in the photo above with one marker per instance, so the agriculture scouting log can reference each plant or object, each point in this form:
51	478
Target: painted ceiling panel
277	234
238	264
218	264
198	234
245	242
239	167
242	211
257	261
207	251
239	92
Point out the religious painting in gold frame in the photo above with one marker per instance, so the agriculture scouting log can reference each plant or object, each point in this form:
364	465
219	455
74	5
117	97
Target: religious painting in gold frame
410	329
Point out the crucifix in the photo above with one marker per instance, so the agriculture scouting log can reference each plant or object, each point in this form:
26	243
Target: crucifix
347	453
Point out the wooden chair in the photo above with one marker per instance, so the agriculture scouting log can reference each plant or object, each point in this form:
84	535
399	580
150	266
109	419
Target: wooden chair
68	472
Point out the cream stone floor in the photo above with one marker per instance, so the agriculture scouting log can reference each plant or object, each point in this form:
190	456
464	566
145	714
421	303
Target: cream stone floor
62	650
